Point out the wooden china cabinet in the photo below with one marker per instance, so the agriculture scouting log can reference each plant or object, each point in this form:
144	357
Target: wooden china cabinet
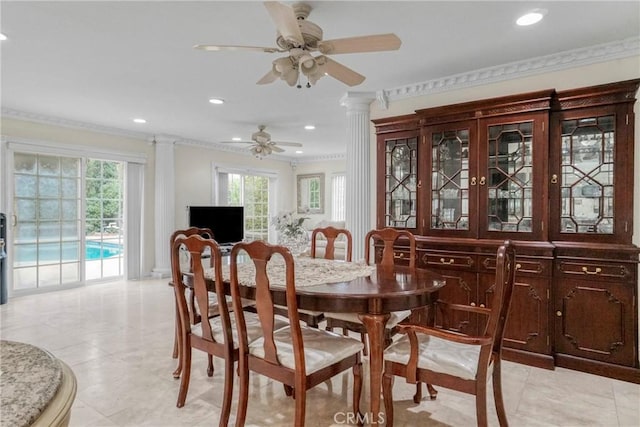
552	171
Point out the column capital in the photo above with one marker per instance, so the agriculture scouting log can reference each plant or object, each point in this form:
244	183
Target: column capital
165	139
358	101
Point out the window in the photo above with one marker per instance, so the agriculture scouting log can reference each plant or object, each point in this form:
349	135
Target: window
252	192
338	197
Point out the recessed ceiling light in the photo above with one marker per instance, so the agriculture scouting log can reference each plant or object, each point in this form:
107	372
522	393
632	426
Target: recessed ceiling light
309	127
2	37
299	151
531	17
235	138
216	101
139	121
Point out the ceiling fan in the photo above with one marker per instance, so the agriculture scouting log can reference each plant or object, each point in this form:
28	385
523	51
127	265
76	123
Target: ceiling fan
299	38
262	143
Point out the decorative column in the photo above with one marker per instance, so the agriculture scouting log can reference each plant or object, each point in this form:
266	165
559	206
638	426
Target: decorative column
358	174
164	204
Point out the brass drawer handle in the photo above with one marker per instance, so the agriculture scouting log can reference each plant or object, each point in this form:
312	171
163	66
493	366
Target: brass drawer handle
443	261
518	266
559	313
554	179
398	256
483	180
482	305
473	304
585	270
473	180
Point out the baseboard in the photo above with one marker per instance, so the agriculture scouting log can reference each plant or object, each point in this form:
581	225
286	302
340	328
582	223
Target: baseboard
544	361
609	370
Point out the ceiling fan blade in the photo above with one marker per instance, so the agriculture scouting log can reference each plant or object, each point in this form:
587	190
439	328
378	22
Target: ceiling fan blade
286	22
236	142
216	48
339	72
270	77
276	149
373	43
287	144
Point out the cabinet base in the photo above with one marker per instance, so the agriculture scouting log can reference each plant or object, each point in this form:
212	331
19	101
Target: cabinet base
538	360
623	373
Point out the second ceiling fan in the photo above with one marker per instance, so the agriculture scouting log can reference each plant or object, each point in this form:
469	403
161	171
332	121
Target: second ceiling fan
262	145
299	38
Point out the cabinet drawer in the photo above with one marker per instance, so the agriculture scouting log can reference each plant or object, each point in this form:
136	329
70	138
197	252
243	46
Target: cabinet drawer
600	270
523	265
445	260
400	257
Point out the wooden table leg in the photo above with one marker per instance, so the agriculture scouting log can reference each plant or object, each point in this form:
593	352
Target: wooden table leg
375	324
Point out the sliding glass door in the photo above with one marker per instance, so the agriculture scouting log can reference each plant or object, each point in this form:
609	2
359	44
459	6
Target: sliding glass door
52	245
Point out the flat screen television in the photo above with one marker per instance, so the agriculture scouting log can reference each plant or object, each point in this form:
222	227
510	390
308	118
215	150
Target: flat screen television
226	222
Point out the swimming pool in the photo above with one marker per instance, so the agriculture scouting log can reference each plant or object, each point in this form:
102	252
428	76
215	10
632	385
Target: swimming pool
29	253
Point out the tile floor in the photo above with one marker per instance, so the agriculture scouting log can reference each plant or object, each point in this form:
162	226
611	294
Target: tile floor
117	338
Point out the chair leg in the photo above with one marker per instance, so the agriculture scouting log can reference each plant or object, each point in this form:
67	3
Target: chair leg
481	404
365	341
185	359
210	366
357	391
243	397
301	403
288	390
178	341
433	393
177	334
418	396
228	392
387	395
497	393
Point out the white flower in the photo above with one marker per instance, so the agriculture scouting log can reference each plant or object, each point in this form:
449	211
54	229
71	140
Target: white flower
287	224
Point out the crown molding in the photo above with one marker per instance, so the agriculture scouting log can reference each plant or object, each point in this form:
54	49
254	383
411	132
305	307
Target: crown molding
323	158
513	70
73	124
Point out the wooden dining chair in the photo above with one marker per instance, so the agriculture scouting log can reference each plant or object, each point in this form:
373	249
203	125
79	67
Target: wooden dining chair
193	308
300	357
453	360
215	335
350	321
206	233
330	235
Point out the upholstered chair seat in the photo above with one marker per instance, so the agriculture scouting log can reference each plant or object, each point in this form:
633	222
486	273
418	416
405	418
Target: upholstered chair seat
321	348
438	355
396	317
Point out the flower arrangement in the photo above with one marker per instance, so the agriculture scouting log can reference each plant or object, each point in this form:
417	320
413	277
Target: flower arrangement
288	225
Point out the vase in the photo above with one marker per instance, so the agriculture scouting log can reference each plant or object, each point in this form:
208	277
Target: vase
297	243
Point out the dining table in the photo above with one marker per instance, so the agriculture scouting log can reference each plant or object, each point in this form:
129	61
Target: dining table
371	291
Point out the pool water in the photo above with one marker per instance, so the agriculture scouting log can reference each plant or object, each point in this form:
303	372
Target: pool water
70	251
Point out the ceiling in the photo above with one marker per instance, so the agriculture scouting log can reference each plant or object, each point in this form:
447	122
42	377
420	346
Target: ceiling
105	63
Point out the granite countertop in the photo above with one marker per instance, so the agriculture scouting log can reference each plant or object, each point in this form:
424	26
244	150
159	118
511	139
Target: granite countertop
29	379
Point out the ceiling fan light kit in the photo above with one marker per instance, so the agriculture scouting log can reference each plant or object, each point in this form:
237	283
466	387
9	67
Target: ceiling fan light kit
299	37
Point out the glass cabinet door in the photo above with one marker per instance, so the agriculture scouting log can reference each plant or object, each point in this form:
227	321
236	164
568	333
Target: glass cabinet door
401	178
511	193
509	178
587	175
451	164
